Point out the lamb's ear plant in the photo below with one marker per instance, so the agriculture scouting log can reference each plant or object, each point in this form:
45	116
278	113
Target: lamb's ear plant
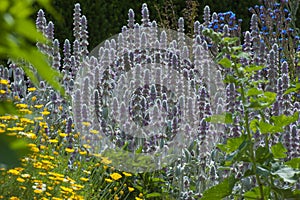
267	173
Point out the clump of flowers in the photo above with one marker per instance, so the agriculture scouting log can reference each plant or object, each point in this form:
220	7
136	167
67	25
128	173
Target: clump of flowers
61	166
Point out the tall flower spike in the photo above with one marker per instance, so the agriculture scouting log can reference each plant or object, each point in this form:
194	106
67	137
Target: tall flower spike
131	18
56	55
41	21
181	36
145	15
77	21
50	31
84	37
206	15
67	55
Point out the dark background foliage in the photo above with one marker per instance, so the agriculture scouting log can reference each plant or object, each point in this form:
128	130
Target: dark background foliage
106	18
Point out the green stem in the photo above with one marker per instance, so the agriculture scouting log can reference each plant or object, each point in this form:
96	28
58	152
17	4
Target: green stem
248	134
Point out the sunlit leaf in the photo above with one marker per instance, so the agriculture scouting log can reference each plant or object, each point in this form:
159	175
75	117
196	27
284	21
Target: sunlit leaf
220	190
288	174
254	193
294	163
279	151
225	62
232	144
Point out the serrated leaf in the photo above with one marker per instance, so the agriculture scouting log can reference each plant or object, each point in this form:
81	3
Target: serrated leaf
220	190
279	151
225	62
287	174
284	120
265	127
232	144
294	163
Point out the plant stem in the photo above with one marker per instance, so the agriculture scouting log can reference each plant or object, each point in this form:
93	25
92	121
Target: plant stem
248	134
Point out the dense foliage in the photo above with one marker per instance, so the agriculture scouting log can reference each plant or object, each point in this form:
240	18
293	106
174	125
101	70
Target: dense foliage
255	157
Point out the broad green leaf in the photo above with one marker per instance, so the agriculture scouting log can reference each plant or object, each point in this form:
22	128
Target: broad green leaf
288	174
11	150
232	144
154	194
230	79
255	193
225	62
265	127
220	190
262	101
230	40
262	171
279	151
283	120
287	193
7	107
294	163
262	154
253	68
243	55
254	92
293	89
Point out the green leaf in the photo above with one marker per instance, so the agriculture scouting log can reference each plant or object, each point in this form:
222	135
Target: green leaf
293	89
254	92
265	127
11	150
262	171
283	120
253	68
287	193
230	79
255	193
220	190
253	125
230	40
262	154
232	144
279	151
287	174
294	163
154	194
7	107
243	55
225	62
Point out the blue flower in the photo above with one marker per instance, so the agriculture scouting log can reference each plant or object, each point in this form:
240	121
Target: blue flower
264	28
283	31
